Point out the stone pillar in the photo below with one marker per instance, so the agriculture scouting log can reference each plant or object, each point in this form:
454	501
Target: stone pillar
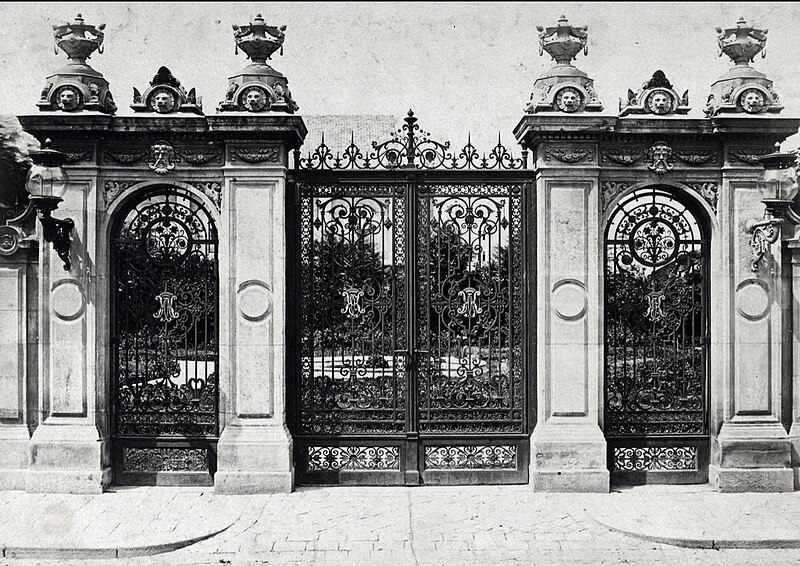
794	344
255	448
751	451
68	453
569	449
18	351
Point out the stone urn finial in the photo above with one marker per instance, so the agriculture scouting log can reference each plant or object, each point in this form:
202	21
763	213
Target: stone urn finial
742	89
742	43
259	40
563	42
77	87
563	88
71	39
258	87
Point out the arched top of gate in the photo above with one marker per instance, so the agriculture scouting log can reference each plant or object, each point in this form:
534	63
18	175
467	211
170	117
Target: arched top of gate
691	197
121	207
410	147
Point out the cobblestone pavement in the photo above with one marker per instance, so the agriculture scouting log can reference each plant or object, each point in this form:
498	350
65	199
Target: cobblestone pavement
422	526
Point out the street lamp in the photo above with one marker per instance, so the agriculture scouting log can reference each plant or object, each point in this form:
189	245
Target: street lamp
46	183
780	176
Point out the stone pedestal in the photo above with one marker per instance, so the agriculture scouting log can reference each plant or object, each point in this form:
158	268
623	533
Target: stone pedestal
751	451
255	449
751	456
255	457
794	344
18	335
68	453
569	450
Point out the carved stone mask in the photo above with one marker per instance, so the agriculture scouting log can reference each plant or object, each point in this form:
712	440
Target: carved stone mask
568	100
68	99
163	102
752	101
660	102
255	100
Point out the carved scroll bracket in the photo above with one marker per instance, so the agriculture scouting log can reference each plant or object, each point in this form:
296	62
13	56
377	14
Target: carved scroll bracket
766	232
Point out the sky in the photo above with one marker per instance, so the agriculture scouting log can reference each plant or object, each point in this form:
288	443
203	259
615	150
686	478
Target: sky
462	67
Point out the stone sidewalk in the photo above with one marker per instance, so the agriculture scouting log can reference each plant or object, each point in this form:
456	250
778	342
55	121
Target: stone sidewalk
396	525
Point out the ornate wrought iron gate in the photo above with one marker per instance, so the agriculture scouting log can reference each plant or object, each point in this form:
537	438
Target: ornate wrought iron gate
165	296
412	355
656	329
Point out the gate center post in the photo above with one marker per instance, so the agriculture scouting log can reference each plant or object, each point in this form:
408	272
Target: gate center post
254	454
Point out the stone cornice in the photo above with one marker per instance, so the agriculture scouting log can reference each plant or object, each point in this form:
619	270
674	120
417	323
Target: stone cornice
533	129
255	127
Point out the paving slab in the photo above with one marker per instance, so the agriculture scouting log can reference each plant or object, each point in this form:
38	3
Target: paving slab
698	518
129	522
420	526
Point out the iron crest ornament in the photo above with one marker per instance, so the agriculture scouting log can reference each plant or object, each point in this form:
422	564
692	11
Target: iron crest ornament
660	159
162	157
409	148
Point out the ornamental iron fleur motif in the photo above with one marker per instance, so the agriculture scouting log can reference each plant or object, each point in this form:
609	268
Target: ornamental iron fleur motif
325	458
470	457
568	154
655	458
166	459
410	148
660	159
161	158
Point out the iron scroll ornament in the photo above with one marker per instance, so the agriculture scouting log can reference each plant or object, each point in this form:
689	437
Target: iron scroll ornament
410	148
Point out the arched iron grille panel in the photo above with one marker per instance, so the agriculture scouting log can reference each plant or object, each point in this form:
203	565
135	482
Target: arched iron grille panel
470	308
656	332
165	326
353	309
